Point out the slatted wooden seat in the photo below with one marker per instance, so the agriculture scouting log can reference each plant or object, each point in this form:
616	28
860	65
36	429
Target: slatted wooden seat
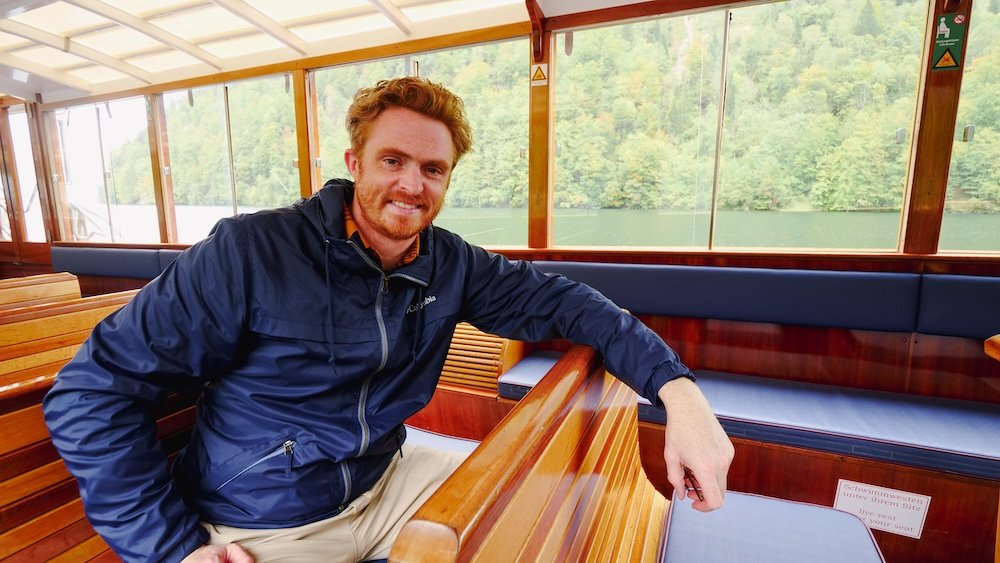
36	341
559	479
477	359
34	290
41	517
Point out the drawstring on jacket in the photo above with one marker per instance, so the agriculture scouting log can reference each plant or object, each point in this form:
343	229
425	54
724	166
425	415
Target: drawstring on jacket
329	301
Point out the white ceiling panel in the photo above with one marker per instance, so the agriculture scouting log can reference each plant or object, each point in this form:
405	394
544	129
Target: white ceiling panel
113	45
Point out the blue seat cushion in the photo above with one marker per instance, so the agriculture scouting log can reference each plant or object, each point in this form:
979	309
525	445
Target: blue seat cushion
758	528
958	436
966	306
140	263
522	376
855	300
166	256
419	437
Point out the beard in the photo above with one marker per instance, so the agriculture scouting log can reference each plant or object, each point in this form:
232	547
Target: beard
376	210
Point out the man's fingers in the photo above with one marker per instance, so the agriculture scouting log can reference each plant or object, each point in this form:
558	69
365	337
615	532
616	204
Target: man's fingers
712	492
229	553
236	554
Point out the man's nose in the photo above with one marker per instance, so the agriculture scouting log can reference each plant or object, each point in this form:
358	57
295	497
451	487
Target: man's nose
411	179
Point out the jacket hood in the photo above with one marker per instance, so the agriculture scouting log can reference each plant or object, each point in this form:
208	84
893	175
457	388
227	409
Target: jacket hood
325	209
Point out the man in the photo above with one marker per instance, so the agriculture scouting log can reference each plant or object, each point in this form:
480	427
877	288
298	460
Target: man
313	332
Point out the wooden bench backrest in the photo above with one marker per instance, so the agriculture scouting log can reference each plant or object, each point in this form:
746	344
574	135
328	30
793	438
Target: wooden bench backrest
37	340
33	290
559	479
476	359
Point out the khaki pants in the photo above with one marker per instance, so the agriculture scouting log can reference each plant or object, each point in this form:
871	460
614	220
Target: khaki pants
365	529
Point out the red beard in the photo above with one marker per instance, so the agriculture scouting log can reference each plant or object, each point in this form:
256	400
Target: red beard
376	210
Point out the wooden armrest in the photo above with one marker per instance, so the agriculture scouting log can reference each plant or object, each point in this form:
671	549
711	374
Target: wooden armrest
559	479
992	346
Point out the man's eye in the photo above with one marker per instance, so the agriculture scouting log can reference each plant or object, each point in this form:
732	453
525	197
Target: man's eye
391	161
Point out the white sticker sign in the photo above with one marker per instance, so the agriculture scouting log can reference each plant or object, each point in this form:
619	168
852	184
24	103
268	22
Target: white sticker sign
539	74
889	510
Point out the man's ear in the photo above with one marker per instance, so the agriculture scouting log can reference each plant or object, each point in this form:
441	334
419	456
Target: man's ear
351	160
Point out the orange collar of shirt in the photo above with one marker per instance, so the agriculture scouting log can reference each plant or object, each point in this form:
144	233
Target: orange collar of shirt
351	227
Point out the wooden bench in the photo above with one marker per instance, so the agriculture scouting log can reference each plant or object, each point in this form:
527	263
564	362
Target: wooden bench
41	517
34	290
560	480
36	341
873	377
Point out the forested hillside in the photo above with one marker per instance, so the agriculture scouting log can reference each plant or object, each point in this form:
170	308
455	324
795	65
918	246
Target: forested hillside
820	100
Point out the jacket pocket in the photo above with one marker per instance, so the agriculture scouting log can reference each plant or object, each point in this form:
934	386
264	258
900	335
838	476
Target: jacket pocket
286	449
286	482
251	462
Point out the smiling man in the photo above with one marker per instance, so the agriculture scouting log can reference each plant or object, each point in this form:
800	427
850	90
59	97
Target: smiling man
313	332
401	176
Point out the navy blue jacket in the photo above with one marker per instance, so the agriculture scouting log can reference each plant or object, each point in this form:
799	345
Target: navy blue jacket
309	358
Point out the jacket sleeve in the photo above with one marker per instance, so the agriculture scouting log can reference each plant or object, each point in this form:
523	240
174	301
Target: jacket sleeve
181	329
516	300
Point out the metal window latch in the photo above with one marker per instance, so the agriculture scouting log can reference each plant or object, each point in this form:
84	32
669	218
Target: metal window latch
968	133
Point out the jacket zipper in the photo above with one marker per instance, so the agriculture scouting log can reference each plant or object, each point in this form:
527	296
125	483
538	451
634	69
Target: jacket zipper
384	341
383	337
286	449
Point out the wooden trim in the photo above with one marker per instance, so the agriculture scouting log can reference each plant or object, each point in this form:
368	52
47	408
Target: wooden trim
540	150
153	245
11	192
43	174
654	8
303	95
888	262
57	177
937	111
992	347
315	154
159	159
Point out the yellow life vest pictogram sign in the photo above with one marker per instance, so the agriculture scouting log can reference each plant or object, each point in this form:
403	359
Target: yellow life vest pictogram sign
946	61
539	74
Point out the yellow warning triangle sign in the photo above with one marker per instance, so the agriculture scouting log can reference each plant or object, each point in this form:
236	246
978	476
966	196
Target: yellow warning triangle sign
946	60
539	74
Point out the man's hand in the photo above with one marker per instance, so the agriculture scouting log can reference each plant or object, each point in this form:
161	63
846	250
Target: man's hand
229	553
695	439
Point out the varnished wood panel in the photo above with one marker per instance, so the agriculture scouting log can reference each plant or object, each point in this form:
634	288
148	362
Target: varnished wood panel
10	269
99	285
952	367
461	413
851	358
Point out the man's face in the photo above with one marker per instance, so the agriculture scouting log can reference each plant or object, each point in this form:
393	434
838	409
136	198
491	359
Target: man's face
401	174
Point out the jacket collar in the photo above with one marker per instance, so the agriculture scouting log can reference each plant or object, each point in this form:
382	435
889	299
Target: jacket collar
325	212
